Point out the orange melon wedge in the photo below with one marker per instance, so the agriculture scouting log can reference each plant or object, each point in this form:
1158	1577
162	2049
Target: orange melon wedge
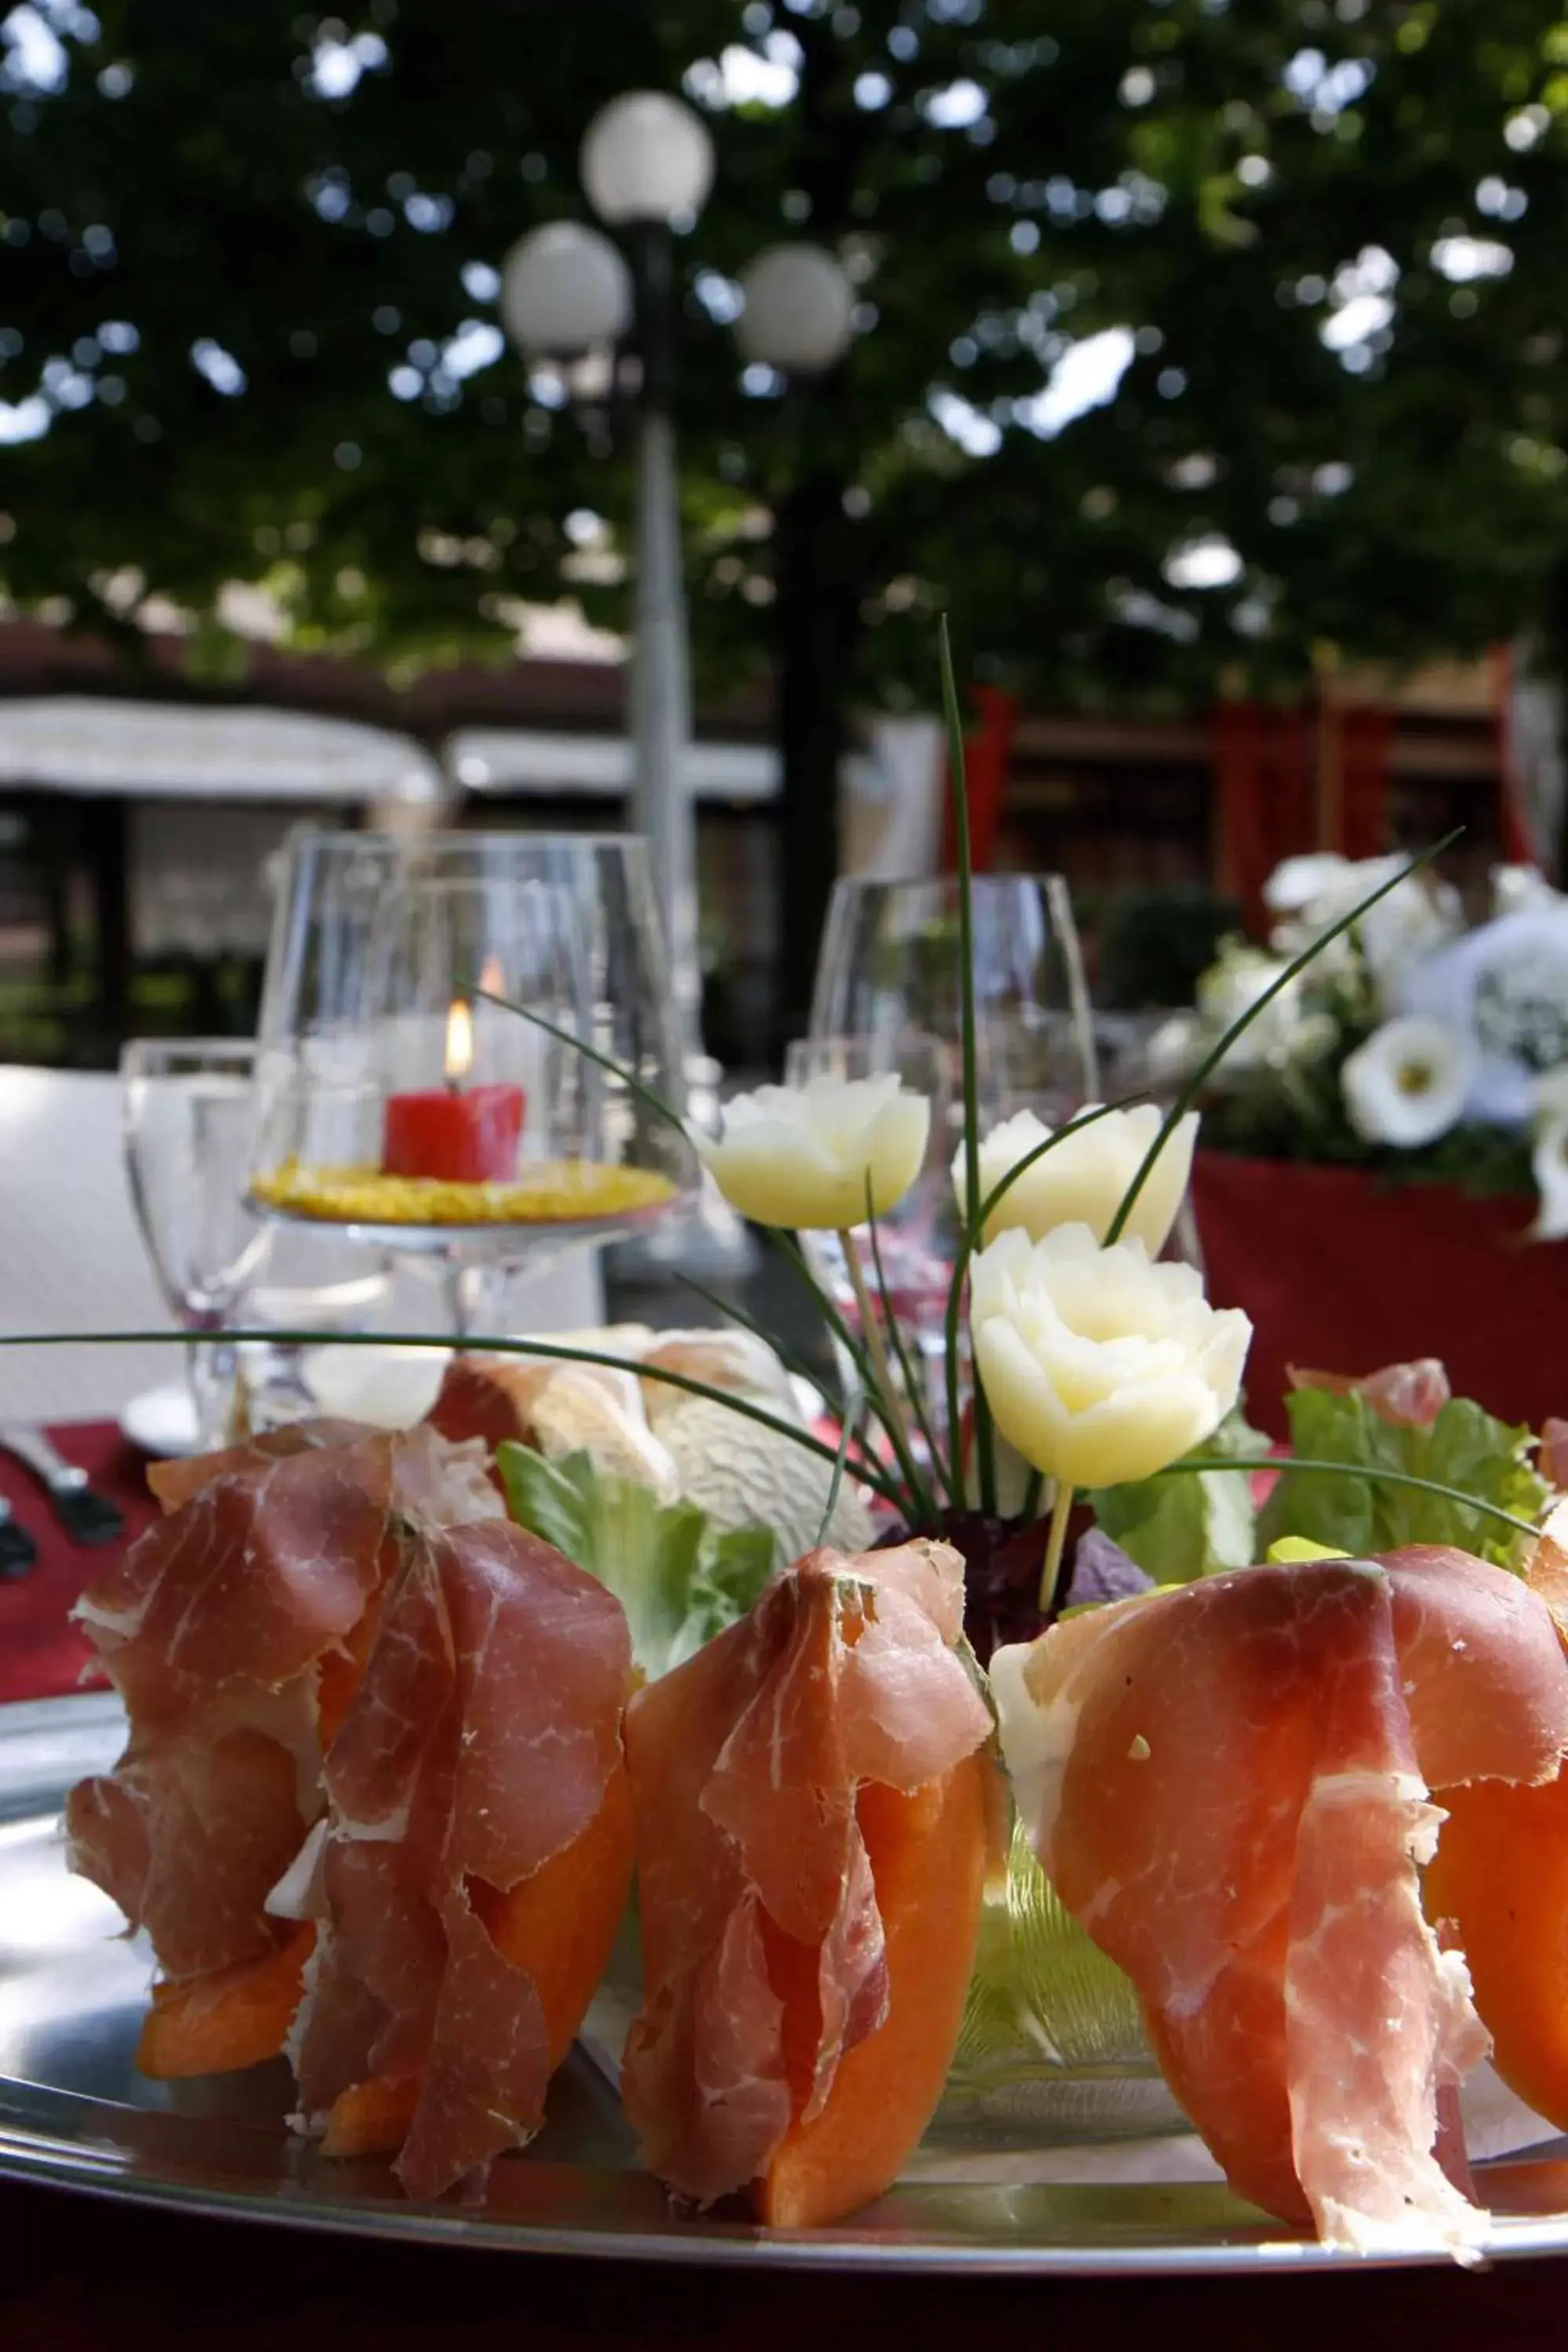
558	1924
230	2018
1500	1874
928	1856
371	2118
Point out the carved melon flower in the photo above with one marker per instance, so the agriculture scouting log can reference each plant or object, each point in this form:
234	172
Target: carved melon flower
1083	1180
1099	1366
800	1156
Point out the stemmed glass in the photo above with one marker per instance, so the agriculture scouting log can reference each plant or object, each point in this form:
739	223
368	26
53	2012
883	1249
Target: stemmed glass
916	1241
310	1281
189	1119
188	1132
887	997
400	1103
1136	1058
891	963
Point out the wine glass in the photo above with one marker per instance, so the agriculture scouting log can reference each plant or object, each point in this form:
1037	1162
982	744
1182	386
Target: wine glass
403	1105
891	963
188	1132
891	969
916	1240
311	1280
1149	1054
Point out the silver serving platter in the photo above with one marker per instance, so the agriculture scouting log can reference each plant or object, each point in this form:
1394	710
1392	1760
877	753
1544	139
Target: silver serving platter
75	2113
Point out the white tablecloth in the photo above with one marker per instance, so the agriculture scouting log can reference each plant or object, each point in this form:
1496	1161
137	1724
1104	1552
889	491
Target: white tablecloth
72	1259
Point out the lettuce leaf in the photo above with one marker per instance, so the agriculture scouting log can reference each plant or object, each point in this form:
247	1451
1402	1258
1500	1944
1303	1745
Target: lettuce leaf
1191	1522
680	1580
1465	1447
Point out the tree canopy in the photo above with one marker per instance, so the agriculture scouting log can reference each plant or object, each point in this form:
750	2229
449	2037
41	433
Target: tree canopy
1192	337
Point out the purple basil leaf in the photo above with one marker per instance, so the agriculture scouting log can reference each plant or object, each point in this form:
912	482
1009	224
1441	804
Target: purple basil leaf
1101	1571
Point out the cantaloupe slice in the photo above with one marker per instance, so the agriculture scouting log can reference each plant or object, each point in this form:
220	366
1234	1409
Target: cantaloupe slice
230	2018
1500	1874
371	2118
236	2017
559	1925
928	1856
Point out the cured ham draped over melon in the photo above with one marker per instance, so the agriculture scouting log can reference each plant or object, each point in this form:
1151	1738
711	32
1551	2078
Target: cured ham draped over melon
474	1861
373	1800
174	1482
1229	1784
813	1797
225	1629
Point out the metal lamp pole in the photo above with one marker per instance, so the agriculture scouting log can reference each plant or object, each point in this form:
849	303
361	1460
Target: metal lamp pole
663	806
647	165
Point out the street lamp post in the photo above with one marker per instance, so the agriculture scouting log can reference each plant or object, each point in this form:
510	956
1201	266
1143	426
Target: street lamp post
799	310
647	163
566	289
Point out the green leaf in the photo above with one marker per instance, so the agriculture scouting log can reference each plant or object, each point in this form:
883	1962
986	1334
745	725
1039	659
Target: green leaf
1341	1513
1465	1447
679	1581
731	1570
1469	1448
1178	1528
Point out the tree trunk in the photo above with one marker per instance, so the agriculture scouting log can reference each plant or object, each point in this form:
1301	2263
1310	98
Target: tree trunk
818	560
819	626
1554	659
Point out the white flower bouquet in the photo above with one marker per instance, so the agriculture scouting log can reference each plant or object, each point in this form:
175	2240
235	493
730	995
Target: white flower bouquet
1411	1044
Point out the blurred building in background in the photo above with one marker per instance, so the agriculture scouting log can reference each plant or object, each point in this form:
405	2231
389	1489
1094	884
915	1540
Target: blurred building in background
136	835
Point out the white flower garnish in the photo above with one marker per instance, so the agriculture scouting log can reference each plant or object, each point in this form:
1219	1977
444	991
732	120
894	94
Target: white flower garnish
1083	1179
1098	1365
801	1156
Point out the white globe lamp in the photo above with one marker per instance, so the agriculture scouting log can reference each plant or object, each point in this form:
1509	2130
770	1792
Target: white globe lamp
646	157
564	288
799	310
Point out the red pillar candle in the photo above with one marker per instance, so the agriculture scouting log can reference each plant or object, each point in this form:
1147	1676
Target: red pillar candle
455	1138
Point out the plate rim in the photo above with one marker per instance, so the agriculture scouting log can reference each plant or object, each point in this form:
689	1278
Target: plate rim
735	2246
95	2163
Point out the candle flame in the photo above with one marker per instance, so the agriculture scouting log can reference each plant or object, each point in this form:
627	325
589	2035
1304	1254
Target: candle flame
492	979
459	1040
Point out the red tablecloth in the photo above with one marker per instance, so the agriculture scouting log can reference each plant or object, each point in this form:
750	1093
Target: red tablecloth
41	1653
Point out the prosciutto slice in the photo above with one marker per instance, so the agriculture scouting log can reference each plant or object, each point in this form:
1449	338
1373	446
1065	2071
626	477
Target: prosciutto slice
173	1483
754	1880
1229	1784
225	1628
478	1746
1553	1458
1406	1396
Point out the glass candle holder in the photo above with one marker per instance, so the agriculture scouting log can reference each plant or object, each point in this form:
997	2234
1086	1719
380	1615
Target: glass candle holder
462	1043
